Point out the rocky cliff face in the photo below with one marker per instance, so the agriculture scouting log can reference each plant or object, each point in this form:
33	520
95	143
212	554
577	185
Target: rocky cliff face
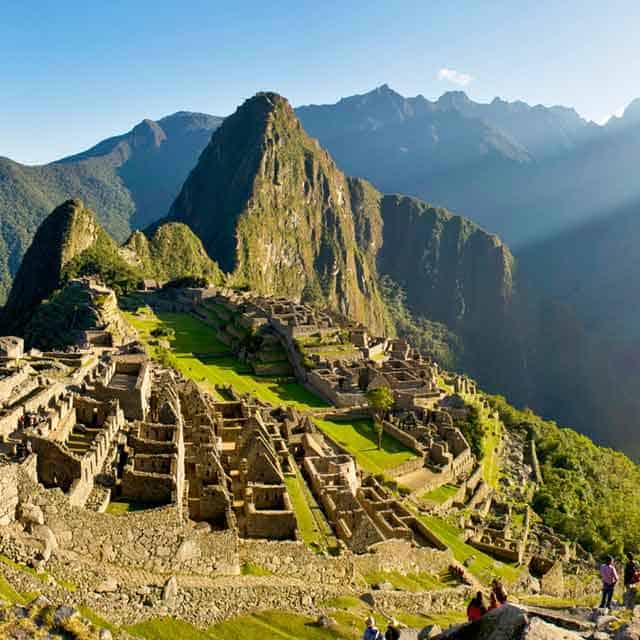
457	274
452	270
273	209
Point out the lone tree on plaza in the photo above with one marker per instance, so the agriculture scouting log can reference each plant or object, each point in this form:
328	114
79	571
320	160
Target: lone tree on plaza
380	400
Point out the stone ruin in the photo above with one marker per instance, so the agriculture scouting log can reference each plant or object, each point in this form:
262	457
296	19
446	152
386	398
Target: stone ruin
411	377
113	426
363	513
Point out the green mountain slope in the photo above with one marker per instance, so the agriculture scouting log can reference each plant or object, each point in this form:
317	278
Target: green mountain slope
129	180
272	208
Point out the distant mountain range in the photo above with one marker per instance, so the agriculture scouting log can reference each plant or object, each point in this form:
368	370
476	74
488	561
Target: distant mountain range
522	172
129	180
554	328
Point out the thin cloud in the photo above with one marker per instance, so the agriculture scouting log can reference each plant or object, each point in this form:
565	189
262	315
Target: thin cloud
455	77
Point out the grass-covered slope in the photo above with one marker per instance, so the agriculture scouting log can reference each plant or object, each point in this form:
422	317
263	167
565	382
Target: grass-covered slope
272	208
173	251
129	180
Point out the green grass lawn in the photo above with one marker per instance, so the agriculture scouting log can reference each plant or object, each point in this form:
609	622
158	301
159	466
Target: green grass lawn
120	507
491	447
359	438
314	529
413	582
252	569
197	350
484	567
268	624
8	593
441	494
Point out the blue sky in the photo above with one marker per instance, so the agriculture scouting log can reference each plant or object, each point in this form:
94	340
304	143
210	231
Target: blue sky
73	73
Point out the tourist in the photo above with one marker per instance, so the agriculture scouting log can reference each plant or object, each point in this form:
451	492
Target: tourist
498	590
493	602
609	577
476	608
372	632
631	580
393	631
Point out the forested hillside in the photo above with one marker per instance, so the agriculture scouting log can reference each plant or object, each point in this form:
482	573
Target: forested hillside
129	181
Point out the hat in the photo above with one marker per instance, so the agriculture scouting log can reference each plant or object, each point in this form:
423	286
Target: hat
370	621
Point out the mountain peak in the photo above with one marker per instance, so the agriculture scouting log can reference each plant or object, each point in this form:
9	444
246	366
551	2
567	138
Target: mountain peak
632	112
453	100
147	133
273	209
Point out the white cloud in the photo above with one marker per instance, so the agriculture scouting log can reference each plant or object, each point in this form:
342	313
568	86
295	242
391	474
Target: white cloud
618	113
455	77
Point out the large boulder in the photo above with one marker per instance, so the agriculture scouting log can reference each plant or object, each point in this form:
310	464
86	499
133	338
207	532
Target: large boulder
47	538
505	623
539	630
170	591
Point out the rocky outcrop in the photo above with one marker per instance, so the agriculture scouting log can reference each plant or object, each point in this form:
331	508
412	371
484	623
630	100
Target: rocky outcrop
452	270
273	209
511	622
458	275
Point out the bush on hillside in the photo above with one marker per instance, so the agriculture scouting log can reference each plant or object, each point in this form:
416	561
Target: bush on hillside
590	493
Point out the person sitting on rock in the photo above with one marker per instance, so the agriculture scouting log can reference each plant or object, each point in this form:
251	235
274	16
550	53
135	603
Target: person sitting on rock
498	590
372	632
476	608
393	631
631	581
609	577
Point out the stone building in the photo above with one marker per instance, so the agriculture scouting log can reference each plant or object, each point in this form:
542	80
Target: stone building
11	348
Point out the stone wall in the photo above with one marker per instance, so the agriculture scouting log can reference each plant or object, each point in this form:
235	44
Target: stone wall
405	438
424	602
403	557
8	493
12	380
406	467
9	421
535	464
156	540
295	560
325	389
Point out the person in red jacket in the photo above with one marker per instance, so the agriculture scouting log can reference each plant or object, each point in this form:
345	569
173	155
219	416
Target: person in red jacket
476	608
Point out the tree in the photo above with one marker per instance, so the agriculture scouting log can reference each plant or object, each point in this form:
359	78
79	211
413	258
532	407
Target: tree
380	400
